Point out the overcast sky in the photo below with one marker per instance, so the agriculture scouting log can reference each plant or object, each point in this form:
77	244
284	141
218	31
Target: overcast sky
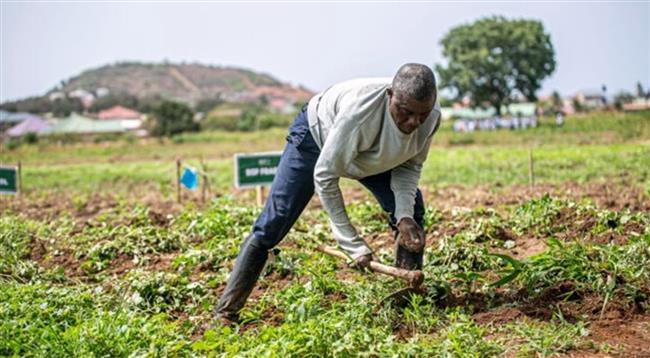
313	44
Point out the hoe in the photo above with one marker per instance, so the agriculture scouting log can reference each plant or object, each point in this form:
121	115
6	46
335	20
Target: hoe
400	297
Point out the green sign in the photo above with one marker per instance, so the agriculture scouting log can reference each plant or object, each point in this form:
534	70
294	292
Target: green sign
255	169
8	180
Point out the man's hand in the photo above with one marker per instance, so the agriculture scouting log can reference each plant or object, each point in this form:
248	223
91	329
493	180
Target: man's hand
361	262
411	235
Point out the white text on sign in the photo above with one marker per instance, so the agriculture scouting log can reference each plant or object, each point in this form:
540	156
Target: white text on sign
253	172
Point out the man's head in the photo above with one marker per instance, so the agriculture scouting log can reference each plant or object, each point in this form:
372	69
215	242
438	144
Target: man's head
412	96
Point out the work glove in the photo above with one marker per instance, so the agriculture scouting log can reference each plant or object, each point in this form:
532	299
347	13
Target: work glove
411	235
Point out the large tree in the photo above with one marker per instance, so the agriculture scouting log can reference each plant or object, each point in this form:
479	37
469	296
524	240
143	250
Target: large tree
171	118
494	59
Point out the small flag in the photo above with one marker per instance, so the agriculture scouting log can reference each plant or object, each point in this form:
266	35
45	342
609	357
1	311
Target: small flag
190	179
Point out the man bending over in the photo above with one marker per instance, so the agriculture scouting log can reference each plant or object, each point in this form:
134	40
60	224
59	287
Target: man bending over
377	131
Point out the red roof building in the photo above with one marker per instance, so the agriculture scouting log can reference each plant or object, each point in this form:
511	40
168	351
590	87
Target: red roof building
118	112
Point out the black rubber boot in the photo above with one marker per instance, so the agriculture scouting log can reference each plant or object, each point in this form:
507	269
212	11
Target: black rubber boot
405	258
244	275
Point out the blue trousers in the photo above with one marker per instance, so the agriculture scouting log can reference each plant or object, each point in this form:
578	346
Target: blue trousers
293	187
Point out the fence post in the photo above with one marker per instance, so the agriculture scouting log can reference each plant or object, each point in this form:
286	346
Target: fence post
260	195
531	168
20	178
178	180
204	178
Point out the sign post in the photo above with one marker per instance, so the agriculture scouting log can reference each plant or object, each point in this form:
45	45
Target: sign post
9	179
178	180
256	170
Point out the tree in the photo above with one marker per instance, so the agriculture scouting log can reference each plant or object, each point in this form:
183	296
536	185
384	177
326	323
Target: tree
622	98
577	105
557	101
61	107
494	58
114	99
172	118
640	92
207	104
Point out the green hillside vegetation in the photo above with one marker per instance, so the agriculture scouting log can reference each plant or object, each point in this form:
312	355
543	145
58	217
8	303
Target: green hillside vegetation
143	85
148	80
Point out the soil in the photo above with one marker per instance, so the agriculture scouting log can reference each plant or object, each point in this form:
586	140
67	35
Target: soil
604	195
624	326
53	206
630	337
620	324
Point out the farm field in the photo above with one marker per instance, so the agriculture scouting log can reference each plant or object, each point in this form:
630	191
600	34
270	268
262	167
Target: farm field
98	259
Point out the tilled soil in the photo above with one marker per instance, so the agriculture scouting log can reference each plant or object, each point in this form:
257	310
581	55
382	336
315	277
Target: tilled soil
619	324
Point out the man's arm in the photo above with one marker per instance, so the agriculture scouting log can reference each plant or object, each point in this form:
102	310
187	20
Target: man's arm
339	149
405	178
404	183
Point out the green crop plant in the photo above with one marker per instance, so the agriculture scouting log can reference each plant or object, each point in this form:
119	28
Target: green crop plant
464	338
538	215
16	239
370	215
165	292
37	320
160	277
545	339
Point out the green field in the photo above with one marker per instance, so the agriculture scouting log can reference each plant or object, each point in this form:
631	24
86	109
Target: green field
597	147
97	258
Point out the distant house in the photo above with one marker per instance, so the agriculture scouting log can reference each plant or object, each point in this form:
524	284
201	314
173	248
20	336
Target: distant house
591	99
130	119
281	105
567	106
639	104
119	112
56	95
78	124
10	119
32	125
102	92
86	97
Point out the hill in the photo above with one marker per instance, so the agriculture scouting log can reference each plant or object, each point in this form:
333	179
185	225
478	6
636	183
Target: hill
189	83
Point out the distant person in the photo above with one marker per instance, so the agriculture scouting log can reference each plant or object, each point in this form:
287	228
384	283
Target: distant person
471	125
459	125
559	119
377	131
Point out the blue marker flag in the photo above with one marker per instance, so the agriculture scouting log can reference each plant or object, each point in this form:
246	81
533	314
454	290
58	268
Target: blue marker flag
190	179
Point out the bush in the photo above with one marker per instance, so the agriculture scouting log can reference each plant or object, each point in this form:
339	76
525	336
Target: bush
173	118
30	138
12	144
244	118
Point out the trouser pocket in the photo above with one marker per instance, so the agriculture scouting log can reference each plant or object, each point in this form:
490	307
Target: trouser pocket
298	129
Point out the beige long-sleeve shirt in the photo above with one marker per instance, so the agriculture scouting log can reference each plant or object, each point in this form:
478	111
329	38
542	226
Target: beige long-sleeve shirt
358	137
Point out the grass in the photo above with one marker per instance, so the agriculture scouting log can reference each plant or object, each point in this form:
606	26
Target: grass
314	310
84	276
465	166
595	147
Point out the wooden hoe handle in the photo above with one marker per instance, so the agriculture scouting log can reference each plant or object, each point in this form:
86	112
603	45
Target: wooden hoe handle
414	278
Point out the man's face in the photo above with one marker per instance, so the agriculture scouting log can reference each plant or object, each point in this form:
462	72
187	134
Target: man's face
408	113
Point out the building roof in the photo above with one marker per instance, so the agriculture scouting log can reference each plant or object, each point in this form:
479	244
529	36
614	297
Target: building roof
14	117
637	105
118	112
83	125
31	125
